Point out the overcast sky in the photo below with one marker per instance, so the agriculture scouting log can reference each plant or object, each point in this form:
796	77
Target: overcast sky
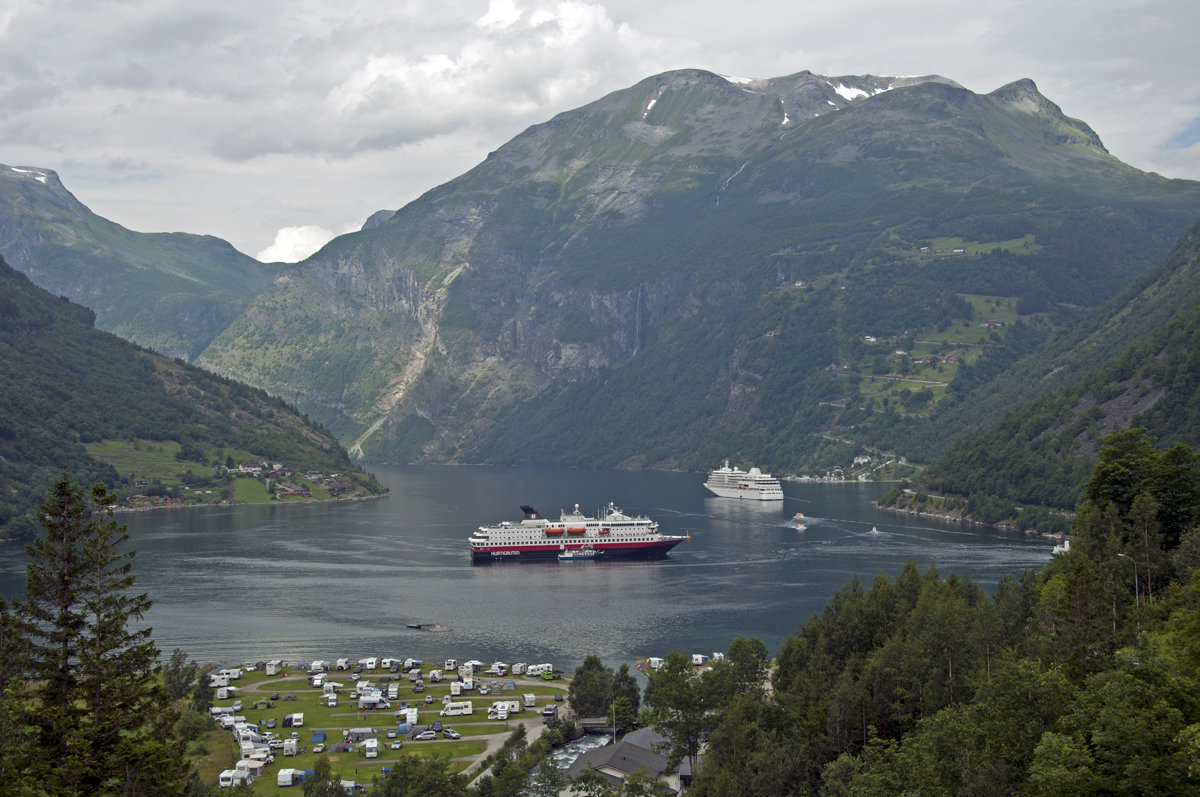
276	125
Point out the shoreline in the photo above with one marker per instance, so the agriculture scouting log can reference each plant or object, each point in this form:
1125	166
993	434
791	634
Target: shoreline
947	518
122	509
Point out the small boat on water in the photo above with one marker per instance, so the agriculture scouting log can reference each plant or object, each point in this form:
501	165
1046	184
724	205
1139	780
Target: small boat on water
799	521
578	554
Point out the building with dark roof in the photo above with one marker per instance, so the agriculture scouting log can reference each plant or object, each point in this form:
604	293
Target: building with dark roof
635	752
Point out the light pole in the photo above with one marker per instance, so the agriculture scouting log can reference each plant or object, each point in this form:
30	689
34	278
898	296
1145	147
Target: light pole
1137	590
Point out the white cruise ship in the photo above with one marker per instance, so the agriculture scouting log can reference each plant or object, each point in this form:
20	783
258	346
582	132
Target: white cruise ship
752	484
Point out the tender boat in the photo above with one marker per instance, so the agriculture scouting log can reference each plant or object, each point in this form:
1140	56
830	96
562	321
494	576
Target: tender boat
578	554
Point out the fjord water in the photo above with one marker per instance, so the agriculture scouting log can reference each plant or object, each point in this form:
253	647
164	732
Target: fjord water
308	581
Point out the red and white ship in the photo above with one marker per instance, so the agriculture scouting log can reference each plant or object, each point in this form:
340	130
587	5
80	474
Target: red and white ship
612	535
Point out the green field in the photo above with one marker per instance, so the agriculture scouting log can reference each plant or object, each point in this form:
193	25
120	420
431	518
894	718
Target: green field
1025	245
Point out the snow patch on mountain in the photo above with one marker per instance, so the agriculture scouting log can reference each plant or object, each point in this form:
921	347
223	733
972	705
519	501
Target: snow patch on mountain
39	176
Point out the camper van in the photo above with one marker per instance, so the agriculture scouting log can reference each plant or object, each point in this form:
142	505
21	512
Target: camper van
234	777
371	748
530	699
291	777
293	721
343	664
451	664
274	667
455	689
372	702
457	708
502	708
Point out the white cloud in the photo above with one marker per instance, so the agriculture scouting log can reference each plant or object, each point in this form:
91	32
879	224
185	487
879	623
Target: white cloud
293	244
239	119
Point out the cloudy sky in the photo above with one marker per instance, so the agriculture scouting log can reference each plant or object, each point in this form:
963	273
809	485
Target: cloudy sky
276	125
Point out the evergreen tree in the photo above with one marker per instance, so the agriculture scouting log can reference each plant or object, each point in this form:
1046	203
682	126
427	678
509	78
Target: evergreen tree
179	675
104	723
15	733
53	623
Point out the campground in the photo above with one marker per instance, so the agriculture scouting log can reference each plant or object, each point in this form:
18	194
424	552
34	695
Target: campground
275	697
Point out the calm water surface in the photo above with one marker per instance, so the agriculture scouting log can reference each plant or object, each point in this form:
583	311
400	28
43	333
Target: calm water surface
343	579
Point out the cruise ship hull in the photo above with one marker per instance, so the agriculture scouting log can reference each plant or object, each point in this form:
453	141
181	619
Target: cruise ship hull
749	495
549	553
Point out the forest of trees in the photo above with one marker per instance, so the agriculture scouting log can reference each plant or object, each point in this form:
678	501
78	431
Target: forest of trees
1078	678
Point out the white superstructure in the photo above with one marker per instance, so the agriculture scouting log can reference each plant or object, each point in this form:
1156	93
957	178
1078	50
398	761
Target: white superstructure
751	484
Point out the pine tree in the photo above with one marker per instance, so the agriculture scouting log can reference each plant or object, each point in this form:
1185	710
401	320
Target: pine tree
105	724
52	624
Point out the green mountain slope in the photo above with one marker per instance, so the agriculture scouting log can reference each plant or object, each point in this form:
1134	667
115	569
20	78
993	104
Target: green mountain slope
66	387
1041	451
692	268
170	292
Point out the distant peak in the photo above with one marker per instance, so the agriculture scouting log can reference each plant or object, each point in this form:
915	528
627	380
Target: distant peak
1023	92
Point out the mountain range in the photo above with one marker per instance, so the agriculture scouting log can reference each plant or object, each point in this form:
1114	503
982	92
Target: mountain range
786	271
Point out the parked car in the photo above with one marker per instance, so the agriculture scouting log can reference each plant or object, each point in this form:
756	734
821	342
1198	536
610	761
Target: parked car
450	733
397	744
436	726
425	736
271	722
428	698
319	748
558	698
